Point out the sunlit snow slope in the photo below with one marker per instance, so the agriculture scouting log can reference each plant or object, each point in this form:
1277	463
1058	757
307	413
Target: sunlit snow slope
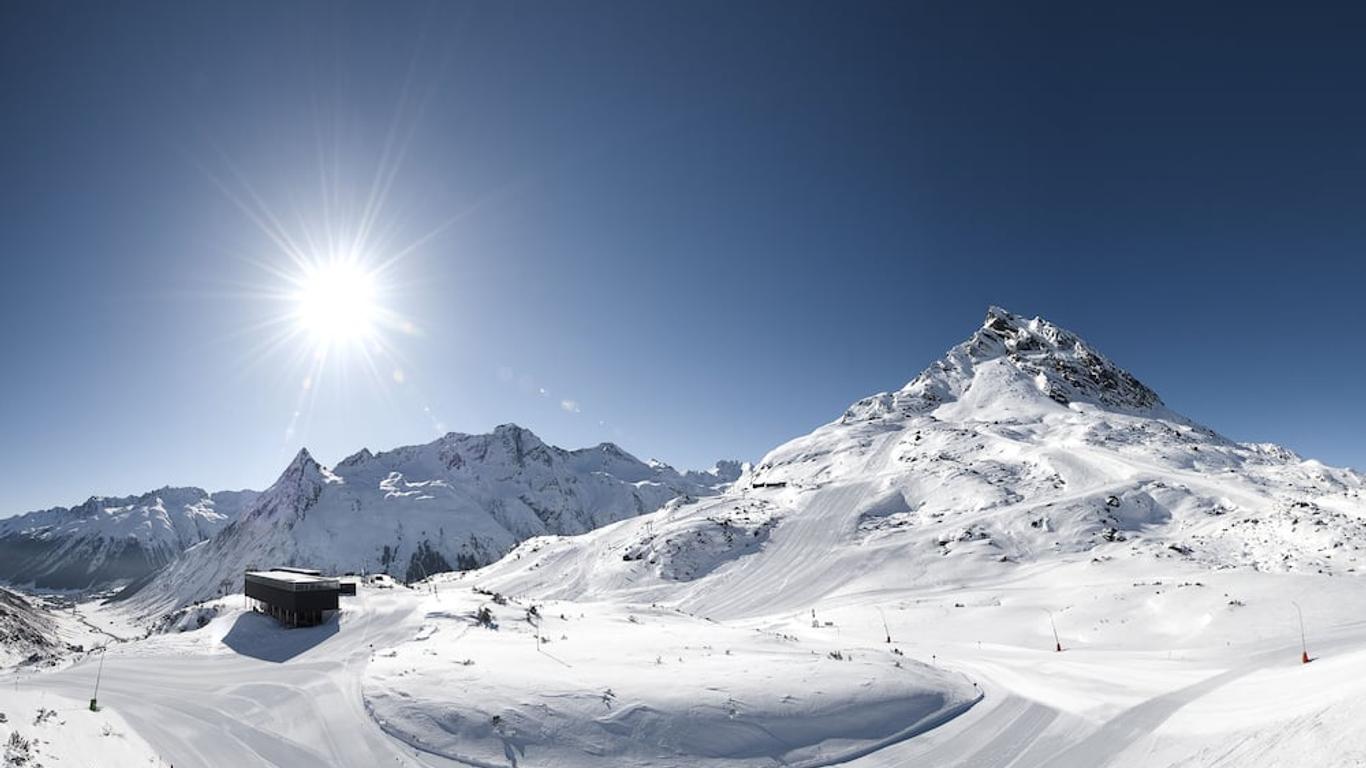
1022	481
1023	443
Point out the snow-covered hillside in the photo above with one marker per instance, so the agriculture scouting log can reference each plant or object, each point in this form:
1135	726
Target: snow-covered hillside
106	541
39	728
459	502
27	632
1022	444
1022	478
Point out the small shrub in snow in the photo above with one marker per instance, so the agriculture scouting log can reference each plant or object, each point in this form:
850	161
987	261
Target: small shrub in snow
485	617
18	750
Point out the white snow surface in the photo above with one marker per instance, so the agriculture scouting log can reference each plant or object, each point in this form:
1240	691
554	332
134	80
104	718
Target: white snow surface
39	728
553	683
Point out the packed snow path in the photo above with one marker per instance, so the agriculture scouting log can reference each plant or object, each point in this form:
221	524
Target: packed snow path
280	698
241	692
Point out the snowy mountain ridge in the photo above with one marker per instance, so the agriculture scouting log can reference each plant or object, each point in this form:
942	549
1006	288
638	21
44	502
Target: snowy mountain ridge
107	540
1029	353
1022	444
459	502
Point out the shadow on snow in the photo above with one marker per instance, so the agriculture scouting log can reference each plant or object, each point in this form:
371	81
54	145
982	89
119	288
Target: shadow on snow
261	637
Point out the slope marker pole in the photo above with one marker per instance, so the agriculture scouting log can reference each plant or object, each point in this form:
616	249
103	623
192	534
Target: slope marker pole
1057	644
94	699
1304	647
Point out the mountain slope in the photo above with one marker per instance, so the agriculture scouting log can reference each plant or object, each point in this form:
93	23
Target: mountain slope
1021	445
27	632
106	540
456	503
1021	497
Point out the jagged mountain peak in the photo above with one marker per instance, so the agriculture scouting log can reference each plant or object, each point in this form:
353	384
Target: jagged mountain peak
516	433
302	459
356	459
289	497
1012	360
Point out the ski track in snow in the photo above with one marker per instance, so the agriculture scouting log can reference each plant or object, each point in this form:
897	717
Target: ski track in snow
223	708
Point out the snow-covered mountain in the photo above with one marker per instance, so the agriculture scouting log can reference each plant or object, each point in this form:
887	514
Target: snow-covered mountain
25	632
459	502
106	540
1021	478
1021	444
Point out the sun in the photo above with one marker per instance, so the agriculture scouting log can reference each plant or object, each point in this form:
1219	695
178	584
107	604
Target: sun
336	303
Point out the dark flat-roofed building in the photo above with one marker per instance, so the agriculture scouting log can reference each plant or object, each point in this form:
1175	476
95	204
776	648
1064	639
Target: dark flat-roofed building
296	597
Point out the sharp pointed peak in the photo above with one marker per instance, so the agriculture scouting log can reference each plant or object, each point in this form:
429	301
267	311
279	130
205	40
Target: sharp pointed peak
1055	362
303	464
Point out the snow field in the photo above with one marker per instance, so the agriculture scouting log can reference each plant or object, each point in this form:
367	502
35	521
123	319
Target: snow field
644	685
38	728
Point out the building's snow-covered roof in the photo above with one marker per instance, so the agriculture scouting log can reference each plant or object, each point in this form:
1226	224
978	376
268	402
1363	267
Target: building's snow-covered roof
294	580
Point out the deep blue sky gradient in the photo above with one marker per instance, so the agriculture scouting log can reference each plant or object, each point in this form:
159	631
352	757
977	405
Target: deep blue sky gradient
712	225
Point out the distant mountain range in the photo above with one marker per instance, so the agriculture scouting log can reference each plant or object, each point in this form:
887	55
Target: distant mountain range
458	502
107	540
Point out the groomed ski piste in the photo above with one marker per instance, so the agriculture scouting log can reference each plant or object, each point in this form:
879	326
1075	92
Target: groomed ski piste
889	590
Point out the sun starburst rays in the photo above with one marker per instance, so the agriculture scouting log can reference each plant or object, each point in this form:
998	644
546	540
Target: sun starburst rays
334	294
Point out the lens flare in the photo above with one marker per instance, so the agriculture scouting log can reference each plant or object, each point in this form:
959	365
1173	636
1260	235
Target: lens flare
336	304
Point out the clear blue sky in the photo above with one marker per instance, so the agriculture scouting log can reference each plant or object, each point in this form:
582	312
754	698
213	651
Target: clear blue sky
709	225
